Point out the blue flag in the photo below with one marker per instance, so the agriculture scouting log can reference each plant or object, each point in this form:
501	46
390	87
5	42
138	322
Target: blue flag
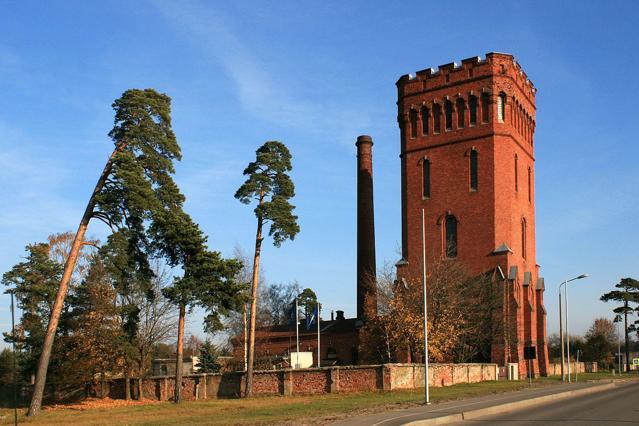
291	314
310	319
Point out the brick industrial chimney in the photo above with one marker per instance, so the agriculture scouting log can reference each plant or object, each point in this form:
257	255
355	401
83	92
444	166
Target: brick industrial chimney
366	270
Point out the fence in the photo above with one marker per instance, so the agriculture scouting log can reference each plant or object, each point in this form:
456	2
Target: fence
305	381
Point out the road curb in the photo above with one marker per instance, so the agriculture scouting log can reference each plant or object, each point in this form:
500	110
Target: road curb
509	406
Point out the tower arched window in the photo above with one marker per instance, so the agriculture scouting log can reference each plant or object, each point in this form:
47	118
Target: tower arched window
448	109
529	184
413	123
450	241
424	120
426	178
501	106
485	114
472	107
461	112
523	238
473	170
516	173
437	118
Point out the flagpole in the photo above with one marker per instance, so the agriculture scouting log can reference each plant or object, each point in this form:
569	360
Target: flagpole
297	335
317	318
13	374
426	395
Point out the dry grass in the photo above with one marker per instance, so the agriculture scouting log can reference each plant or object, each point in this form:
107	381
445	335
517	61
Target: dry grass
257	411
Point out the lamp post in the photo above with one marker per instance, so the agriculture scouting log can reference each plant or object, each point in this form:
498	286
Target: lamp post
561	338
617	321
426	390
565	283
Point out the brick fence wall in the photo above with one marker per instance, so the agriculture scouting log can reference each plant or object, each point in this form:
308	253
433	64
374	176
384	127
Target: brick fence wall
308	381
554	369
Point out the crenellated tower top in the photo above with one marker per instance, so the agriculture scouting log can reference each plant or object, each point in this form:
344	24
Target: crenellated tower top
476	98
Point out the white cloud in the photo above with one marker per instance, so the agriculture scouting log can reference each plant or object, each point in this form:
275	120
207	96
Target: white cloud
257	90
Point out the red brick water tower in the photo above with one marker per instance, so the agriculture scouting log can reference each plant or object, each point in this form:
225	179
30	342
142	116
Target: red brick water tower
467	158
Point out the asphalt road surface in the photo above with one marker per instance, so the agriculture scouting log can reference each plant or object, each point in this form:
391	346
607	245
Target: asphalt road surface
619	406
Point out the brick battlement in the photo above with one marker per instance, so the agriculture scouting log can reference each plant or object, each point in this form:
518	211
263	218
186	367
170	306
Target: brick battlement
474	68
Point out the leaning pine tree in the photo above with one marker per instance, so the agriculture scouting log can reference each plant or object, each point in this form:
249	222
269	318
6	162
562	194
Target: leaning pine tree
271	187
131	187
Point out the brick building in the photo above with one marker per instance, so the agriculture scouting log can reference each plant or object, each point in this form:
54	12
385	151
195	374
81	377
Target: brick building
467	159
338	343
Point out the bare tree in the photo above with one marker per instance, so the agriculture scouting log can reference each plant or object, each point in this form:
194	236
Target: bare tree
157	322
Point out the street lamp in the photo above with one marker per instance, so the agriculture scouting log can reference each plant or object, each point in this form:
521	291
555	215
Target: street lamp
617	321
426	384
565	283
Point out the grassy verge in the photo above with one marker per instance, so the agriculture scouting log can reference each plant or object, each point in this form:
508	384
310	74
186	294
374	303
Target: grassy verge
271	410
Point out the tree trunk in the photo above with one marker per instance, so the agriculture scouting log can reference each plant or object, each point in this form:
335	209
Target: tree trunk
245	336
256	269
69	266
140	370
179	356
127	384
625	315
102	386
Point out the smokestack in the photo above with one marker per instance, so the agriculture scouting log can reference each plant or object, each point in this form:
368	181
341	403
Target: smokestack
366	269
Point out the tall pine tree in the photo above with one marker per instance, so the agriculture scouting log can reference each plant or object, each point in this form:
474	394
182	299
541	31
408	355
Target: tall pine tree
269	185
135	182
627	294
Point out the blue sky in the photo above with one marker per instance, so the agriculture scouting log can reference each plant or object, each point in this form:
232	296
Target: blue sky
315	75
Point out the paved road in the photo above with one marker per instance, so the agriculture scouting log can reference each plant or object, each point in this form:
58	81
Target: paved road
618	406
403	416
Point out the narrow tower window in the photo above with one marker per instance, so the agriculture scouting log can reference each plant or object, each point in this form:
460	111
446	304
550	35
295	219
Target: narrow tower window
516	173
473	170
461	111
424	120
437	118
426	178
523	238
413	123
501	106
451	236
472	106
485	115
448	107
529	185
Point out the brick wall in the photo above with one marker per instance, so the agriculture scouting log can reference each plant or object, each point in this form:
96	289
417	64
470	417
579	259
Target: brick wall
308	381
554	369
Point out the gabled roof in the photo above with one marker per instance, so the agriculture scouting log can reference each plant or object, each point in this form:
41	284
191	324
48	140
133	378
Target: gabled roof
502	249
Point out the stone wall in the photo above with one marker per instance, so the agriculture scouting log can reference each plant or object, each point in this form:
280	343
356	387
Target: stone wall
554	369
411	376
308	381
